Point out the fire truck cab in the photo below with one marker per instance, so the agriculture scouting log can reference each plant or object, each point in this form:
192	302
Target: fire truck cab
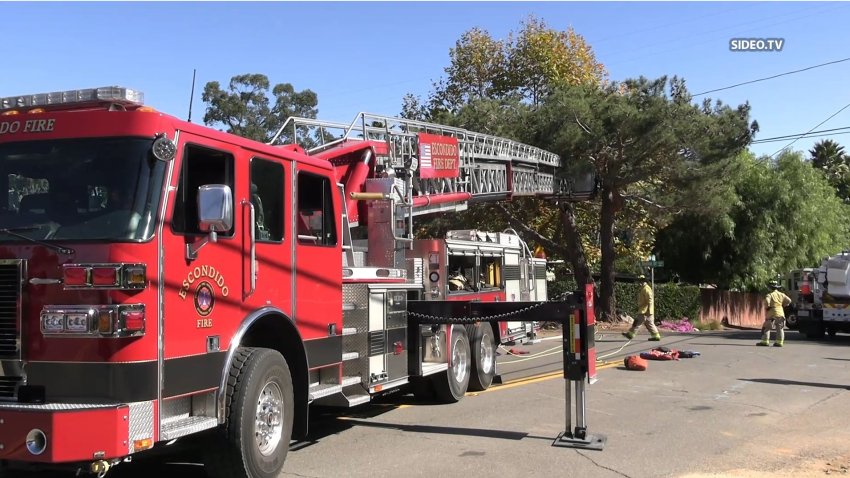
159	278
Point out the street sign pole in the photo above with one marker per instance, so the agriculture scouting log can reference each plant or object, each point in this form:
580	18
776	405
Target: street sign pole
652	275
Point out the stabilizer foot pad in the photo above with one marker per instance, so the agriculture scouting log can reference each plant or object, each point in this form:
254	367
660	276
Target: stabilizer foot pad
590	442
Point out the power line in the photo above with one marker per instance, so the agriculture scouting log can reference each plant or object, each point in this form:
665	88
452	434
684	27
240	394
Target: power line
818	125
806	137
772	77
797	135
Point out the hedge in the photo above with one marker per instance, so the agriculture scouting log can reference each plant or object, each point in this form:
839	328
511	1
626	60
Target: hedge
672	301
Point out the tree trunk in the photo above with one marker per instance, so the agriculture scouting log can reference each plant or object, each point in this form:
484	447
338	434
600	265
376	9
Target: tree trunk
574	248
607	304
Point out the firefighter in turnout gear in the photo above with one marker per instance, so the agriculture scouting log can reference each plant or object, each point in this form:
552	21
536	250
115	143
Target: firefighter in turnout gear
645	313
776	300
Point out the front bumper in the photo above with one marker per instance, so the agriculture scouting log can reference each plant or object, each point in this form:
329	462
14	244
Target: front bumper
75	432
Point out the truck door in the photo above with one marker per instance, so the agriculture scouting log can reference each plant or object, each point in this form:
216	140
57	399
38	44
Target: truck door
318	266
268	282
202	298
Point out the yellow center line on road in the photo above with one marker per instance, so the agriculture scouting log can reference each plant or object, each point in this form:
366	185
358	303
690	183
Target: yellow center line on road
535	379
516	383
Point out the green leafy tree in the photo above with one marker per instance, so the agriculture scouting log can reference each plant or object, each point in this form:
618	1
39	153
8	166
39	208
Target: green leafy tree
784	216
829	157
245	109
526	65
477	70
541	59
648	143
491	86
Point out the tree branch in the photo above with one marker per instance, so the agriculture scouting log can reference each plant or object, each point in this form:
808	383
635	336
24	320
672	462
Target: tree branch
651	203
521	226
582	126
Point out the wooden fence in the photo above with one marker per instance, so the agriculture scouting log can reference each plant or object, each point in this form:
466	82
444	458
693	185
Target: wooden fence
739	309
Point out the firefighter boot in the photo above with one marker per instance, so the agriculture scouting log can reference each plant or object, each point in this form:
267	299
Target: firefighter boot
629	335
655	338
763	343
778	344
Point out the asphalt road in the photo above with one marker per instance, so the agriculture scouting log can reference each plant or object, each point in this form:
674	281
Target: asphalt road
736	410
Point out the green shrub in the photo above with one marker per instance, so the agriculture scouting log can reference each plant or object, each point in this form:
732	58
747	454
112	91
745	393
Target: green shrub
672	301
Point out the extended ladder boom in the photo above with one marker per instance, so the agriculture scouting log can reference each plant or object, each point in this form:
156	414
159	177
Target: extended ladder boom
443	167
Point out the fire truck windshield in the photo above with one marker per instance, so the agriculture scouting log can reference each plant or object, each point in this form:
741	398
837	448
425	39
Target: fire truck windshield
98	189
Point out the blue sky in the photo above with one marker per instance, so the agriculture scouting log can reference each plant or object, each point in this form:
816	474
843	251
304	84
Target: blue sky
366	56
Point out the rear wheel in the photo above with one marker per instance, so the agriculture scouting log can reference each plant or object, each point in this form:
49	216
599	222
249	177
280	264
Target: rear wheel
791	321
814	331
452	385
259	411
483	348
422	388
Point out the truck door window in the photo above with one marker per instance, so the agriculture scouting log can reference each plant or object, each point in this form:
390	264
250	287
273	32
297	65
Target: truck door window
315	221
267	197
200	166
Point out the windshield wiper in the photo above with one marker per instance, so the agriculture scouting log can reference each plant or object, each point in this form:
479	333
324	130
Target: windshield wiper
12	232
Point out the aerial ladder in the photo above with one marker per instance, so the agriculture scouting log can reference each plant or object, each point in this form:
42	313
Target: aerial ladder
490	167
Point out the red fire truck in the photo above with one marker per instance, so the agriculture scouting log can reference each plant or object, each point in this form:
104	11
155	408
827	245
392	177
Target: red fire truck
159	279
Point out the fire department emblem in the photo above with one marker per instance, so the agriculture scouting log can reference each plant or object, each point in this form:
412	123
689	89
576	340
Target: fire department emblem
204	299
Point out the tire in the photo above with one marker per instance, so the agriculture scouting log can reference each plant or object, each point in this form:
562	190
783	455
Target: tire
450	386
483	364
254	440
422	388
831	332
814	331
791	321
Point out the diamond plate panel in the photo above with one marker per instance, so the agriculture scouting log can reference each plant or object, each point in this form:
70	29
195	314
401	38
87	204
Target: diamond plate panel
356	295
187	426
141	422
175	408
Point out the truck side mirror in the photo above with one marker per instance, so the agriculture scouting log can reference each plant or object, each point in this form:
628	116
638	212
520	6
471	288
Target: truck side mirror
215	208
215	214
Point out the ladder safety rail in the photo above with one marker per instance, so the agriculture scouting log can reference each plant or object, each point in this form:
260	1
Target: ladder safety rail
450	162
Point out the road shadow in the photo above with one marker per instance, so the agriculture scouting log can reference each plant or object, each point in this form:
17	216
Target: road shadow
182	461
835	358
436	430
782	381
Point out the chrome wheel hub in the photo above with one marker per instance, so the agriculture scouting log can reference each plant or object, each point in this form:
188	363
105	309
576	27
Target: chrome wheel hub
487	353
460	362
268	426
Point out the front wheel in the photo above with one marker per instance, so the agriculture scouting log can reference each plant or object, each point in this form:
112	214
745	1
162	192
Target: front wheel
259	412
451	386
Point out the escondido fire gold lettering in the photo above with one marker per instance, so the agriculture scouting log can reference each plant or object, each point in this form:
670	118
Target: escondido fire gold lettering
204	271
28	126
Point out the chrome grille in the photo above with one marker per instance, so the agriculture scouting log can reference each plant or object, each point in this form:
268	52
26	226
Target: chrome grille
11	272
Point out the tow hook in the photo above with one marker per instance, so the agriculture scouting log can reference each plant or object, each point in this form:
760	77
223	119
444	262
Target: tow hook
99	468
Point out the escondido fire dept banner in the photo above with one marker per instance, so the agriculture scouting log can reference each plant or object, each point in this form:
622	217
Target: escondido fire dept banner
439	156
